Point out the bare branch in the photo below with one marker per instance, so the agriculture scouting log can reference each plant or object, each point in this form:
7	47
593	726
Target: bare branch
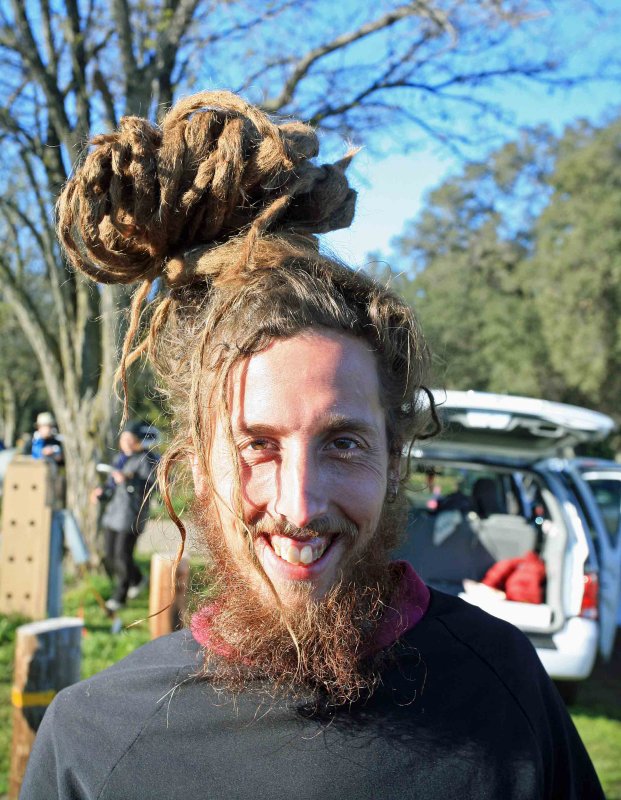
78	64
29	51
304	64
101	84
120	12
9	124
8	205
48	36
173	26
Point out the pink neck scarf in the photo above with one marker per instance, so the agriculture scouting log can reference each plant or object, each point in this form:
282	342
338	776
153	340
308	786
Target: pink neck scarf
408	607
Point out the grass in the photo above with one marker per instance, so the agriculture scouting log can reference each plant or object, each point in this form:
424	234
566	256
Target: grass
597	714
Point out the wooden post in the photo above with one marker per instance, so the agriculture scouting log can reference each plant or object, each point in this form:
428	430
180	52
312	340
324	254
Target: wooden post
161	594
31	552
47	658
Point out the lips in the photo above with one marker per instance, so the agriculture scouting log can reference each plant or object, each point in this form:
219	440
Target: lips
283	557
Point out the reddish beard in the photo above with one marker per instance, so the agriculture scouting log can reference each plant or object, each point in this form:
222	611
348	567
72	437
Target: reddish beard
322	648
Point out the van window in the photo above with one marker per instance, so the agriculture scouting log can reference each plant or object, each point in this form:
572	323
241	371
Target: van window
607	494
582	510
484	491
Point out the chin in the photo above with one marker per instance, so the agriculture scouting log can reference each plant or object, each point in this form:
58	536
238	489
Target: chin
298	594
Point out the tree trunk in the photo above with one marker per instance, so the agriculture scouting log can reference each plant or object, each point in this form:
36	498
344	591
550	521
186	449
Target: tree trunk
82	452
9	414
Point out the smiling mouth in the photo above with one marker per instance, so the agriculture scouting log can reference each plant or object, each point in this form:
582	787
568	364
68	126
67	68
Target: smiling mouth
300	553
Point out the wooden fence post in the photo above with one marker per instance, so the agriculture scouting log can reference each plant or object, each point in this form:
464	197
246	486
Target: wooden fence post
47	658
161	594
31	549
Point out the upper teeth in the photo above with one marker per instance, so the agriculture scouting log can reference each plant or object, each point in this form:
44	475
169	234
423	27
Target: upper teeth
298	553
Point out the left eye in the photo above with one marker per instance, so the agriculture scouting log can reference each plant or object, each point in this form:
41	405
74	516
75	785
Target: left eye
344	443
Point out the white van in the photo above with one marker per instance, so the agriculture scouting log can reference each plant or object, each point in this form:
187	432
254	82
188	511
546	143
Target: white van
500	482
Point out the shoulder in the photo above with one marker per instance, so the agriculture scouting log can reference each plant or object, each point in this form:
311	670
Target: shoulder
478	680
142	673
112	708
494	659
497	646
473	627
461	643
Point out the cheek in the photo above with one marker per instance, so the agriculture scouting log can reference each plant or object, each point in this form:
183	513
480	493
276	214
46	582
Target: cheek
359	492
259	483
363	504
222	469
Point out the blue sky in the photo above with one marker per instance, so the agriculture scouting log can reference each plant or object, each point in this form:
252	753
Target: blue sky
391	189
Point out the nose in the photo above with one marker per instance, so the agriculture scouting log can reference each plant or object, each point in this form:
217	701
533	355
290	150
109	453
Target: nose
301	493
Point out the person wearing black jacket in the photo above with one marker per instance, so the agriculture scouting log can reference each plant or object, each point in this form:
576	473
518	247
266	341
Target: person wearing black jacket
464	712
314	666
126	495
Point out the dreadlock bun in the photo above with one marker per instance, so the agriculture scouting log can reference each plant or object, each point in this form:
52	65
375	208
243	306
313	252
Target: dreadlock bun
217	172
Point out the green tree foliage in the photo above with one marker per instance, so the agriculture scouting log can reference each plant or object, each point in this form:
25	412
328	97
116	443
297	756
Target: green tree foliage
463	259
514	267
575	272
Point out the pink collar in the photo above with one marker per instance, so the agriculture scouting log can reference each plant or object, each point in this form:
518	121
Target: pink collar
408	607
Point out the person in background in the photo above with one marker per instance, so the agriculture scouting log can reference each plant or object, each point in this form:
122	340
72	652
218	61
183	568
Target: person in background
45	442
126	495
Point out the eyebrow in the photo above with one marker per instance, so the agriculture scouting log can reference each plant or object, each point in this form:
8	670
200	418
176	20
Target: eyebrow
335	423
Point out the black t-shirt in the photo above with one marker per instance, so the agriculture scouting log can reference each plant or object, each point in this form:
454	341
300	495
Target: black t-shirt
467	711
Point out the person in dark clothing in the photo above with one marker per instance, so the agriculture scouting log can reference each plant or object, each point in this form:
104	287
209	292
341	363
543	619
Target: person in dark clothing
126	494
465	710
316	666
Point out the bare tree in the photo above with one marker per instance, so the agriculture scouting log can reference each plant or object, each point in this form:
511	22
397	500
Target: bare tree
70	66
21	385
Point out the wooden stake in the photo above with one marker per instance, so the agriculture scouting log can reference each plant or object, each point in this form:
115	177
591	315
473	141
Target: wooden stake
47	658
162	594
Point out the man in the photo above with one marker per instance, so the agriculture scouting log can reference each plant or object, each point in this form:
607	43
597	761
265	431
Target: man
47	446
316	666
126	494
45	442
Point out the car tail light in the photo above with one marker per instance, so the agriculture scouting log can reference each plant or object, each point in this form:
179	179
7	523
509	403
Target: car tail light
589	598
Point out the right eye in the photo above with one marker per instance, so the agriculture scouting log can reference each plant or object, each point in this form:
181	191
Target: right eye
259	444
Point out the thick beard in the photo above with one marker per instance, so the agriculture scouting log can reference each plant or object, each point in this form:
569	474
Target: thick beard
331	661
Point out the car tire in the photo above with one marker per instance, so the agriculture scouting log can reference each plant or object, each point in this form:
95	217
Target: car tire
568	691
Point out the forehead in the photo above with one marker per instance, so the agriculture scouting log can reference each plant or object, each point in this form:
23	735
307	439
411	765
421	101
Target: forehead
302	380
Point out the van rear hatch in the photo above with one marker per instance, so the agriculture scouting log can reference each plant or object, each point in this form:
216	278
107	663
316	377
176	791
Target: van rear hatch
523	428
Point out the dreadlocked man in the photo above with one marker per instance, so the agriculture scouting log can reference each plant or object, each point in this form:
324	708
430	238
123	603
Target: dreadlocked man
316	666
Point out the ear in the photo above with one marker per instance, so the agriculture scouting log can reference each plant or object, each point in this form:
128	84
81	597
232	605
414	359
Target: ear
394	467
198	476
394	475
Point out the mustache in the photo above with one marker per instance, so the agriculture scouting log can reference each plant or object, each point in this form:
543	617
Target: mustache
318	527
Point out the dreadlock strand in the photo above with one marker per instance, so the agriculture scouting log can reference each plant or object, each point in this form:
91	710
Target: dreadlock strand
134	322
